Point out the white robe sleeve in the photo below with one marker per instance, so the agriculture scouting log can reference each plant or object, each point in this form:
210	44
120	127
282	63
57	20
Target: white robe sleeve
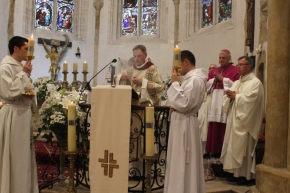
227	83
184	99
12	88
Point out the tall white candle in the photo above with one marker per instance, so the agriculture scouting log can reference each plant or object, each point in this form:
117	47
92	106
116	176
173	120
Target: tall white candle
71	133
75	67
31	42
65	66
85	66
176	57
149	131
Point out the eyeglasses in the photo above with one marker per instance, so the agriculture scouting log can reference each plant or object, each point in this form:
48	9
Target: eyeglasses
241	64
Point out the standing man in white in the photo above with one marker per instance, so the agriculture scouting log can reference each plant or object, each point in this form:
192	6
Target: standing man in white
184	163
244	103
17	156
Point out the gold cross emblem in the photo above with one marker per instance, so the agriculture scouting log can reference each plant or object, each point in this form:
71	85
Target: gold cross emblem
108	162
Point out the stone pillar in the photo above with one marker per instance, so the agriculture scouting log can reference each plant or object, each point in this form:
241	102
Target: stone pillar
176	21
98	4
10	27
274	174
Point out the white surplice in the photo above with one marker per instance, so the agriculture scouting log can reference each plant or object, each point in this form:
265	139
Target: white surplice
244	120
184	163
17	156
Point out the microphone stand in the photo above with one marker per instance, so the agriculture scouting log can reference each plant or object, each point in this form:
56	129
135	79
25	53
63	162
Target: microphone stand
88	86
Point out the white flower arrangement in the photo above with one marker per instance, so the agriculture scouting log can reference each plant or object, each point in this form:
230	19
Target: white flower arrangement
43	86
53	112
167	84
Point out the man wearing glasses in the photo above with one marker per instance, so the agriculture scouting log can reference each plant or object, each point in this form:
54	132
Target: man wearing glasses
244	102
219	80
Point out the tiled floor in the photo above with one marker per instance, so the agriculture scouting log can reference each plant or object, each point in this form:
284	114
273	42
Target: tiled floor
211	187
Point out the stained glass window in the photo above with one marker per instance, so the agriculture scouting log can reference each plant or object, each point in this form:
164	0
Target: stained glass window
65	10
43	14
225	10
207	13
130	17
137	13
149	17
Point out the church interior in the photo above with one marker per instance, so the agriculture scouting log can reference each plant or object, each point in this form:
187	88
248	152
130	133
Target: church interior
81	41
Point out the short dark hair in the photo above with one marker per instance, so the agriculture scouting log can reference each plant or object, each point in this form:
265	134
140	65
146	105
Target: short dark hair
249	61
16	41
141	47
185	54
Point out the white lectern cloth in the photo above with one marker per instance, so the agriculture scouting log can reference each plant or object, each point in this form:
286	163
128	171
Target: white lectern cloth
110	130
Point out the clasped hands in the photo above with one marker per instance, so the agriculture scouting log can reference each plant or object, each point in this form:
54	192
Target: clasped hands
135	80
218	76
231	94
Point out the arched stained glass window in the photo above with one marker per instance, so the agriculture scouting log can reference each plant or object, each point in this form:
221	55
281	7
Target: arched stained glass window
225	10
61	21
43	14
137	13
65	10
207	13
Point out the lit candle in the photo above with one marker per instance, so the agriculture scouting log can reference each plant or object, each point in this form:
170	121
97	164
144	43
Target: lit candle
65	66
71	132
176	58
31	42
85	66
75	67
149	131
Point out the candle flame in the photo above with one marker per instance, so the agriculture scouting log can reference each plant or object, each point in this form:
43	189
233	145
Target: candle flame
176	46
85	62
31	36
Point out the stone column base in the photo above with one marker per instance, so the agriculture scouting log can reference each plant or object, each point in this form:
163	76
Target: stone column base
269	179
253	189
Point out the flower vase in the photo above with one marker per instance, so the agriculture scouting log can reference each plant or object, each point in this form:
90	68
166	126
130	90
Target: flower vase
62	140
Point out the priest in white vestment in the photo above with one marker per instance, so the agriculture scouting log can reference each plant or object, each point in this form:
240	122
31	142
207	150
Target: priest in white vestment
17	157
244	103
184	163
143	76
145	79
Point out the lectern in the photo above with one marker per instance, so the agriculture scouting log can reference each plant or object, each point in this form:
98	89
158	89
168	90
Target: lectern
109	138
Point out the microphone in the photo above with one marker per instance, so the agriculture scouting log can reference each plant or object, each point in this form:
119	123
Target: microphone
88	86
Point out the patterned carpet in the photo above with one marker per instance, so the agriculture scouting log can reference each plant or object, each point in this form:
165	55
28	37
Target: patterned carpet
213	170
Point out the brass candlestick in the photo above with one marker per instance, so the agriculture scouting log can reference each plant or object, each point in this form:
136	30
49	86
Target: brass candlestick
30	57
75	83
64	83
71	157
149	163
85	80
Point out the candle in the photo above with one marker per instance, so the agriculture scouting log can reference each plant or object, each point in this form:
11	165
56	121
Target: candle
176	58
31	42
85	66
75	67
71	132
65	66
149	131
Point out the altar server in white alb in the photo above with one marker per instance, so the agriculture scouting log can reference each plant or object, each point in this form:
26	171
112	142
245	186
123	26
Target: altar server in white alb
17	157
184	163
244	103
